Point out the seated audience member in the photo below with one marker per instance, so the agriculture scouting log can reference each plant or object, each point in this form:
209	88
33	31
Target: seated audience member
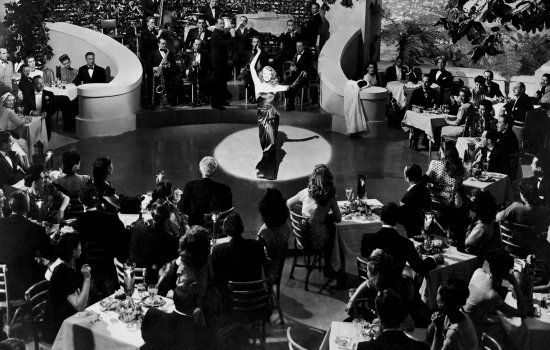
541	177
416	201
317	200
70	181
482	236
90	72
240	259
451	327
485	119
486	301
21	240
25	85
530	212
520	104
508	143
443	78
478	92
68	74
390	309
151	244
424	97
464	116
162	192
205	195
371	77
493	92
108	197
543	95
40	103
12	344
11	168
31	62
275	231
447	175
394	113
44	197
67	293
489	151
301	71
383	273
171	331
390	241
9	120
396	72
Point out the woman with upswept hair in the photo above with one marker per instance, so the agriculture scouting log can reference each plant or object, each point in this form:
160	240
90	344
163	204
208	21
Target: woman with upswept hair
266	86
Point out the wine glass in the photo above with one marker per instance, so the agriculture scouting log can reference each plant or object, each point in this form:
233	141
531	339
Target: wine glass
349	193
485	166
152	290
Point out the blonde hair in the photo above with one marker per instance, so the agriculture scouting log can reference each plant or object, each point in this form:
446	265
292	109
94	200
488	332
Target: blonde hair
274	80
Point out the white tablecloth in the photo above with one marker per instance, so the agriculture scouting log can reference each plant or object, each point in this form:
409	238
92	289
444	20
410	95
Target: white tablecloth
79	332
33	132
531	333
347	241
501	188
462	145
402	92
129	219
70	91
426	122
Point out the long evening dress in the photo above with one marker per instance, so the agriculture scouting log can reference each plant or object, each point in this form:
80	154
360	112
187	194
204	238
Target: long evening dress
268	124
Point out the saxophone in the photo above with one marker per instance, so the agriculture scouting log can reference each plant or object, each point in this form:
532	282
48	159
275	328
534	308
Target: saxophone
160	71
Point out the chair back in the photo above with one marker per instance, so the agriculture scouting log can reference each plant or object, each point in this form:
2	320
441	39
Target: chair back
215	225
300	230
489	343
36	297
139	272
4	295
511	234
292	345
362	268
250	298
108	24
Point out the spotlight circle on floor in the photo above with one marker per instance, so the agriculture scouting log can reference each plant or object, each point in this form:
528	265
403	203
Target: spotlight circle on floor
298	151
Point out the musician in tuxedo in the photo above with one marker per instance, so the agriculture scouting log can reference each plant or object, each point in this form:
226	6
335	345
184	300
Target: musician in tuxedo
313	25
241	43
25	84
170	331
163	60
200	32
443	78
90	72
212	12
245	71
219	46
301	71
6	69
11	169
492	89
397	72
149	37
40	103
196	67
519	106
287	42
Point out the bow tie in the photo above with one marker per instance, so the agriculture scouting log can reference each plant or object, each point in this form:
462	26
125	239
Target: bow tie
91	67
163	50
38	92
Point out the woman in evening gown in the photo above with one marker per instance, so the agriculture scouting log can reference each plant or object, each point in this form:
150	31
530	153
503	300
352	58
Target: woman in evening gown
266	86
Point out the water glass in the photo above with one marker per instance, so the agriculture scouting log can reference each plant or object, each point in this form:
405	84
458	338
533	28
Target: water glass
358	324
485	168
349	193
152	290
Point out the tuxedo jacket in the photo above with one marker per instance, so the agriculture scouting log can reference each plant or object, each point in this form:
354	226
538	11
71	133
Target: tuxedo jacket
173	331
148	41
391	73
493	90
6	74
194	34
243	40
414	203
21	240
543	189
399	247
313	26
518	108
418	98
288	43
155	58
204	196
445	79
262	59
10	175
210	18
392	340
83	77
305	63
25	86
498	160
219	46
48	103
204	62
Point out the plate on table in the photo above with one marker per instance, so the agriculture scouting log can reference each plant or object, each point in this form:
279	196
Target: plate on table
344	342
129	312
485	178
155	301
108	304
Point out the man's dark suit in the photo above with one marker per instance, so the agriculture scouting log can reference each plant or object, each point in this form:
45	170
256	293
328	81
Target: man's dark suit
194	34
204	196
171	77
99	75
241	44
21	240
173	331
505	155
210	18
313	26
392	340
391	73
517	108
415	202
48	105
493	90
543	189
204	64
9	175
247	77
498	160
418	98
219	46
26	86
288	50
399	247
445	82
304	64
148	42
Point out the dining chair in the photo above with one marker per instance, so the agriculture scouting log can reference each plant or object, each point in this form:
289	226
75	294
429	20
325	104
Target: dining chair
489	343
276	282
11	308
511	234
36	297
111	24
292	345
250	306
362	268
139	273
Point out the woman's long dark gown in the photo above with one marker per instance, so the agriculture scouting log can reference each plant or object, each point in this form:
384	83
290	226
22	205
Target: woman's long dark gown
268	124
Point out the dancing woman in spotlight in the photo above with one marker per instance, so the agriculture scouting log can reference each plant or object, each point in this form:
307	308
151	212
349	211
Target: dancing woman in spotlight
266	86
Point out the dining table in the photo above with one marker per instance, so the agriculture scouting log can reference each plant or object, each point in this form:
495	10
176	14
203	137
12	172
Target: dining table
33	132
430	123
349	232
402	91
68	90
532	332
499	185
100	329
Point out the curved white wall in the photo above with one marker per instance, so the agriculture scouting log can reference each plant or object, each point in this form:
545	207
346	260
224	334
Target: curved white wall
104	109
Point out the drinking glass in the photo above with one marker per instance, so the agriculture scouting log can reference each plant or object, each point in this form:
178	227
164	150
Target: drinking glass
547	298
152	290
358	324
485	168
349	193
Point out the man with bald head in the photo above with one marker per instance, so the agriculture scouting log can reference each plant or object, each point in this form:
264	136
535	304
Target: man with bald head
520	104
